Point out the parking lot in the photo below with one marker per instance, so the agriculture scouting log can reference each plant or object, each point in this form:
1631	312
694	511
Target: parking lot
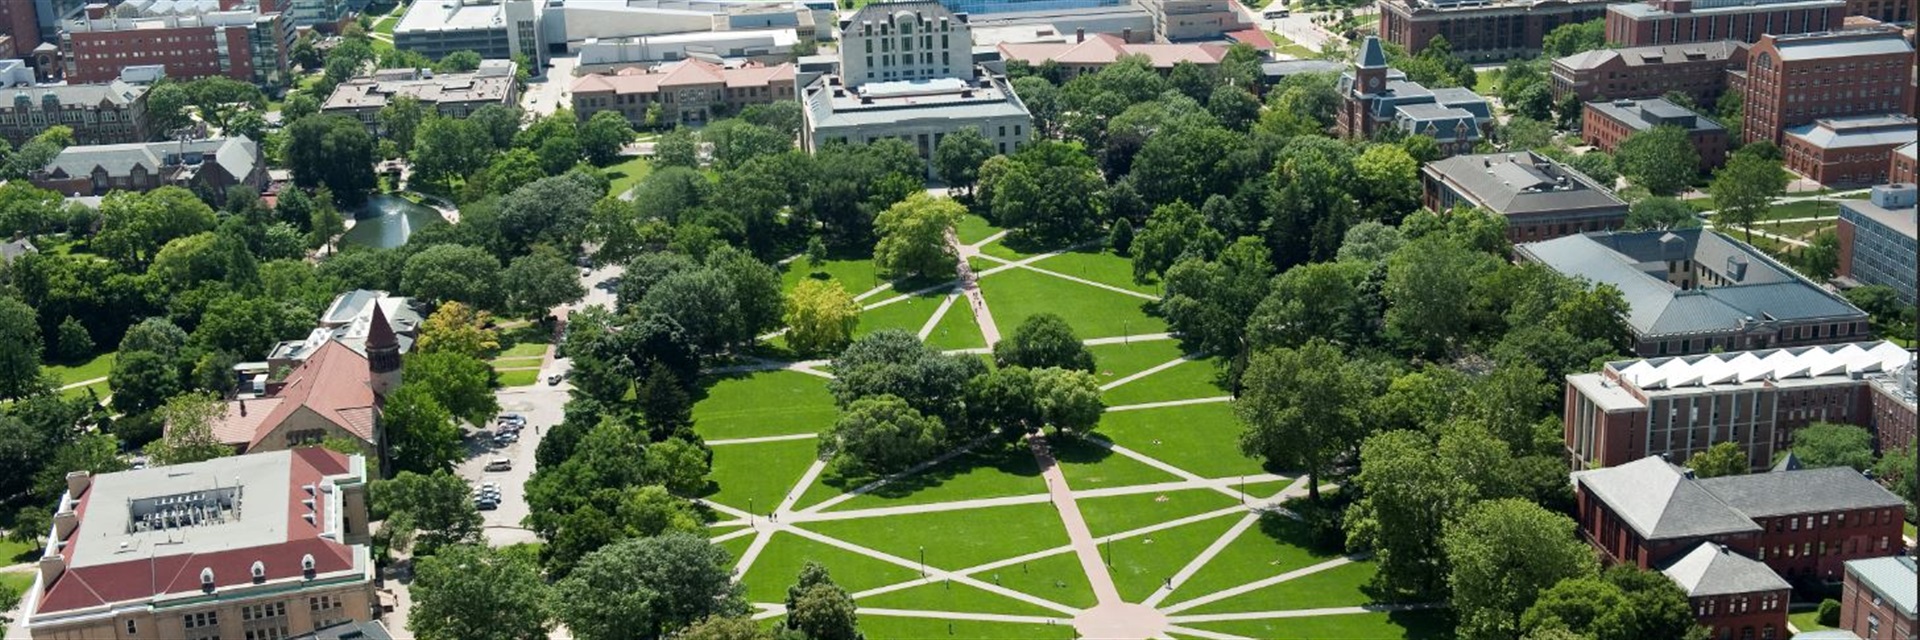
541	404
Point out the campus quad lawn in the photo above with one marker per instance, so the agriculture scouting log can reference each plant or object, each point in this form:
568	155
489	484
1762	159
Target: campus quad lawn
954	596
854	273
1058	578
1203	439
1335	587
1184	381
910	314
1110	515
1141	564
1112	362
999	249
17	552
955	540
957	329
989	472
779	564
1088	465
1273	546
519	377
98	367
1410	625
899	628
973	228
757	476
737	546
1099	265
765	403
1016	294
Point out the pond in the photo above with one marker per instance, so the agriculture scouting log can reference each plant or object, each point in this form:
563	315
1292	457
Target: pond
387	220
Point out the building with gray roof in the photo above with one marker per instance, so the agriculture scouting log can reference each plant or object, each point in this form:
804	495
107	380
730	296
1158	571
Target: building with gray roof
1373	99
1729	593
208	167
1697	69
13	249
1539	197
1877	598
108	113
1847	150
455	95
1694	291
1878	240
1607	124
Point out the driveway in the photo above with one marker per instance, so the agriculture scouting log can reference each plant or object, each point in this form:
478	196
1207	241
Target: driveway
541	404
548	93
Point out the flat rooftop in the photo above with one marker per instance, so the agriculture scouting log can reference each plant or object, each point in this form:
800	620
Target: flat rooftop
447	15
251	489
1857	131
492	83
1641	115
1518	183
876	103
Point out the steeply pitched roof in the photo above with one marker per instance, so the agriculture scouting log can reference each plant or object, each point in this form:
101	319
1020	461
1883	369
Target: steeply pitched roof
1659	501
1372	55
1891	577
236	155
1763	495
16	248
333	384
1711	569
1790	462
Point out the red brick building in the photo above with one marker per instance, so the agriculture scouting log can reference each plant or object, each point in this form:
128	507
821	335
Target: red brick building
1894	410
1731	594
1539	197
1793	80
20	26
1696	69
1481	31
1375	97
1638	24
1877	598
1607	124
1904	168
1882	10
243	45
1847	151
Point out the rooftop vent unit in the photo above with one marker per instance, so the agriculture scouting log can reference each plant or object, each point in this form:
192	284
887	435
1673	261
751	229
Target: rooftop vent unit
206	579
258	571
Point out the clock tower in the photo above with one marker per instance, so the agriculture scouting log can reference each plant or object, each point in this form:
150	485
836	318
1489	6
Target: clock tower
1370	68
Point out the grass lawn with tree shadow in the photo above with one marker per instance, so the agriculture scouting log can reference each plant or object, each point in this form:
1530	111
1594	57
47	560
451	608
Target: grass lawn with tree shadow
901	628
954	596
98	366
1016	294
1408	625
1184	381
1058	577
1109	515
854	273
625	175
1141	564
910	314
1088	465
955	540
1275	545
779	565
757	476
1111	362
992	473
957	329
764	403
1099	265
1336	587
973	228
1203	439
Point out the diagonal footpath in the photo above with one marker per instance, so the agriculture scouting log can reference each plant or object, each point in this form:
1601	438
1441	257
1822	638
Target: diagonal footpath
1219	544
970	287
931	571
941	312
1152	370
1082	539
761	439
1258	584
871	486
1305	613
1208	635
1090	283
806	481
1170	403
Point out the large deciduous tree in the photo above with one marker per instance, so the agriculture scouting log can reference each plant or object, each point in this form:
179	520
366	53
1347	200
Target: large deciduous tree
1043	340
20	347
469	592
1744	189
335	151
913	237
604	135
820	317
881	434
1662	160
1722	459
648	588
458	328
458	382
451	272
425	511
820	609
1503	554
958	156
534	283
1301	408
189	418
420	433
1833	445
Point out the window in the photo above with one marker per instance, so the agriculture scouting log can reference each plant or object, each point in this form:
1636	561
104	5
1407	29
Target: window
131	629
202	626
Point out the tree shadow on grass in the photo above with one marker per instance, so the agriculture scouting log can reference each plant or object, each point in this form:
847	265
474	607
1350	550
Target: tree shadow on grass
1013	461
1089	449
1430	624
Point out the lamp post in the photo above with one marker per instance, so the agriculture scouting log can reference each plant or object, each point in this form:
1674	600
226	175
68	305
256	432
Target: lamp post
750	512
923	562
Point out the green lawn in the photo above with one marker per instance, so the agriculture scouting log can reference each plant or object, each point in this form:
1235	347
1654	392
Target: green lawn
1058	577
999	249
1907	527
1184	381
1283	44
1115	514
855	274
737	546
1802	209
955	596
20	581
896	628
519	377
767	403
1410	625
957	329
910	314
1141	564
17	552
991	474
1202	438
98	367
1088	465
524	350
779	563
955	539
1274	546
1016	294
1805	621
623	176
757	476
1336	587
1115	361
1099	266
973	228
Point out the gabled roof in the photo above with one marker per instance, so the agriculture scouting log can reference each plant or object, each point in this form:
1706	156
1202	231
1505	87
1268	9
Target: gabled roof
16	248
1763	495
1711	569
1104	48
333	384
236	155
1659	501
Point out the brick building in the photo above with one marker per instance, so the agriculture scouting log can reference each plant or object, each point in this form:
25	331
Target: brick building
454	95
1375	98
1877	240
1793	80
244	45
1607	124
1893	408
19	29
263	546
1803	523
1903	168
1089	54
110	113
1877	598
1731	594
688	91
207	167
1882	10
1184	20
1539	197
1655	22
1847	151
1676	407
1697	69
1477	30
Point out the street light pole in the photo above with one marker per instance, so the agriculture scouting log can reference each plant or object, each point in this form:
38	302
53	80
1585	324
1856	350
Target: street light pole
923	562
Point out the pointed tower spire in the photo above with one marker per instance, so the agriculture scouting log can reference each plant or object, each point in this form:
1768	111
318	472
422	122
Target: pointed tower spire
383	353
1372	55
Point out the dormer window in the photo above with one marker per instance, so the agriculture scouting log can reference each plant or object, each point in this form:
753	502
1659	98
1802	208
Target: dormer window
258	571
206	578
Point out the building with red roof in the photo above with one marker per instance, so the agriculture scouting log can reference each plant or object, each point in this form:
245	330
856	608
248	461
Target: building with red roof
260	546
686	91
1090	54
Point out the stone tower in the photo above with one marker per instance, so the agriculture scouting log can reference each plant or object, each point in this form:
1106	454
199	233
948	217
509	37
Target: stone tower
383	353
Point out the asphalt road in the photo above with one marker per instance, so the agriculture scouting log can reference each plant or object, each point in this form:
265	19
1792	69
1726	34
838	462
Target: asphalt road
548	94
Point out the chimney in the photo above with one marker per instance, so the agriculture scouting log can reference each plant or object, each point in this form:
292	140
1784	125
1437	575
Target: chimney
1126	35
243	408
52	566
1079	34
77	483
64	523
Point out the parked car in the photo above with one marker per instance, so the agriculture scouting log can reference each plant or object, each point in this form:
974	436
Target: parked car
511	418
506	438
555	379
484	504
500	464
511	428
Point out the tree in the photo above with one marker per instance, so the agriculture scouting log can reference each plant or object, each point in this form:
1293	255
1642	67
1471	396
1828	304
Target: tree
1656	606
189	418
1207	303
679	465
459	383
1429	291
913	237
1173	231
1662	160
1069	399
958	156
534	283
30	527
500	122
664	403
1745	188
1661	213
894	362
734	142
1722	459
469	592
677	148
648	588
142	381
134	226
458	62
1833	445
820	317
421	435
400	119
726	628
1406	496
604	135
1503	554
332	150
325	223
451	272
820	609
20	347
1575	37
445	148
299	105
1320	299
457	328
434	509
1301	408
881	434
1896	469
1043	340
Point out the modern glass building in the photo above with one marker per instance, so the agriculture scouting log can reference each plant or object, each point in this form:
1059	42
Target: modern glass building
1877	244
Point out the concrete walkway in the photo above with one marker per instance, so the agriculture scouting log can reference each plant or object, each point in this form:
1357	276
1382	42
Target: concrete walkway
1077	531
970	287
